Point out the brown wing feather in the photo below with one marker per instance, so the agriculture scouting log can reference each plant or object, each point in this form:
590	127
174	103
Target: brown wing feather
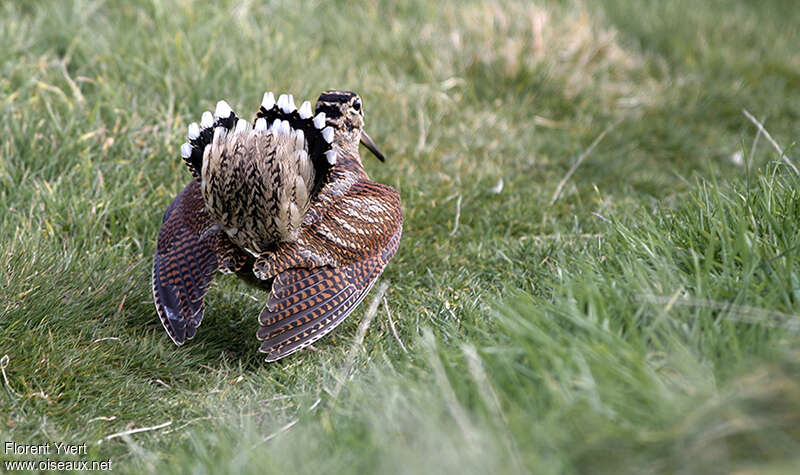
315	302
184	264
361	230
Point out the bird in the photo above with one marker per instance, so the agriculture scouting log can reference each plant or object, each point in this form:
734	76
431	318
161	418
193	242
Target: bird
284	203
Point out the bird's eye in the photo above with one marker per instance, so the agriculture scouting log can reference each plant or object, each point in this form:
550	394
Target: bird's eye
357	105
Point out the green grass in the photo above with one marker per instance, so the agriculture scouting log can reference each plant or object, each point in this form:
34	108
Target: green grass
646	321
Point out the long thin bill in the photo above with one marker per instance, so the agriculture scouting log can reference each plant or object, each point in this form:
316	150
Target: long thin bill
367	141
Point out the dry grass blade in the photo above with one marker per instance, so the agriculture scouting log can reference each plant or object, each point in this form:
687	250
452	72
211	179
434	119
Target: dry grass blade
581	158
739	313
3	365
359	339
280	431
391	325
771	140
458	216
134	431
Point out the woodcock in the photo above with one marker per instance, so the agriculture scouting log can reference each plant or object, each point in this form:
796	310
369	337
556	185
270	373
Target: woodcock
284	203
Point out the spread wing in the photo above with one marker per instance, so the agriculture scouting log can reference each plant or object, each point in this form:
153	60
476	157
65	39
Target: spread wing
184	264
361	229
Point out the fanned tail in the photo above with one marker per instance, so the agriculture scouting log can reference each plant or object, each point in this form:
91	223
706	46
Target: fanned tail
257	180
200	135
317	134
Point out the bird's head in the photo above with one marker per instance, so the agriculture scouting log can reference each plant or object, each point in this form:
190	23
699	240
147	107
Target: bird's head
345	113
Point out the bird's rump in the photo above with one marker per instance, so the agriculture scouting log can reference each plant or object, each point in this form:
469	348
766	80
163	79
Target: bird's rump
256	183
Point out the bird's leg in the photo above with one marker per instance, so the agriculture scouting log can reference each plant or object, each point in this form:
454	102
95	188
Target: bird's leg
291	256
230	258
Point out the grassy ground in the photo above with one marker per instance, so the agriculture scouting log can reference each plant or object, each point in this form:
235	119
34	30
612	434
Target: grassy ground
643	321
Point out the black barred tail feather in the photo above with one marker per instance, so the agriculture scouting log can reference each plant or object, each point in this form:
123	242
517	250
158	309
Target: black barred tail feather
319	136
257	180
201	135
256	183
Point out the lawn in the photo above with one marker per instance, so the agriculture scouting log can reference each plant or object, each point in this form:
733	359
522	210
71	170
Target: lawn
599	268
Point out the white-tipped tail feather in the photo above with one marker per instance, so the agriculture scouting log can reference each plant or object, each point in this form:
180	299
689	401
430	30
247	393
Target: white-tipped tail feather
305	110
268	102
223	110
319	120
283	103
194	131
330	155
207	120
327	134
241	126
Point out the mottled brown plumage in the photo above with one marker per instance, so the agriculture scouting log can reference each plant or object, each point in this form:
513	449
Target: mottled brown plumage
256	184
284	203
